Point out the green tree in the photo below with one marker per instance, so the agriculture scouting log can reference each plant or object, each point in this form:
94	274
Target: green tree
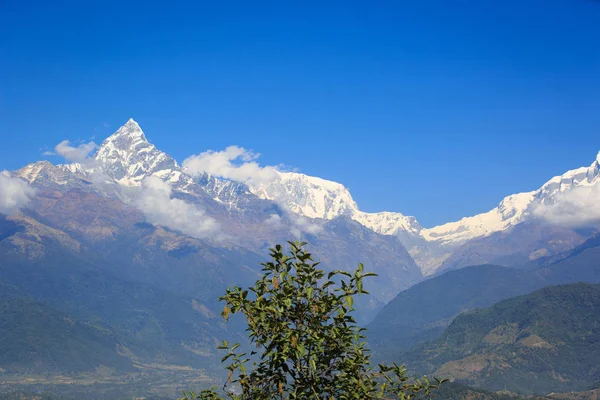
308	344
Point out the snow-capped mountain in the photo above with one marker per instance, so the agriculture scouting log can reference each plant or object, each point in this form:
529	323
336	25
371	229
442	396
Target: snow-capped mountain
514	209
315	197
308	196
126	159
319	198
128	181
131	231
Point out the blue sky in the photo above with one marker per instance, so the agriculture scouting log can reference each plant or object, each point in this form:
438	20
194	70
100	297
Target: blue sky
428	108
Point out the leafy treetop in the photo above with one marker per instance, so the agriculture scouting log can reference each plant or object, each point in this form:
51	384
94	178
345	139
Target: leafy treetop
308	344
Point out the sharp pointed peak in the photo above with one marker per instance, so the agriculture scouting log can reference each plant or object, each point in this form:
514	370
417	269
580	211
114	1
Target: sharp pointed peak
131	128
127	135
132	123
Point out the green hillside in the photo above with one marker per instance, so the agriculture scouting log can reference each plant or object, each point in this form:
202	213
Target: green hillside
547	341
153	326
456	391
36	339
424	311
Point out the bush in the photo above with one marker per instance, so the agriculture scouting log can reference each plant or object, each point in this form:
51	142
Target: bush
308	344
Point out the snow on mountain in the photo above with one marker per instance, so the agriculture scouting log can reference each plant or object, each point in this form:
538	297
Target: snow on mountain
314	197
126	157
308	196
319	198
580	177
513	209
45	174
105	196
388	223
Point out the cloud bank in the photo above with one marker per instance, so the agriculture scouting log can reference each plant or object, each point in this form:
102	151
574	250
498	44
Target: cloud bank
234	163
77	154
160	209
15	193
298	224
273	221
302	224
578	207
238	164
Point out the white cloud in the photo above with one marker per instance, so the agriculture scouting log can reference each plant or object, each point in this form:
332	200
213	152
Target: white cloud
160	209
235	163
14	193
302	224
273	221
577	207
298	224
77	154
48	153
239	164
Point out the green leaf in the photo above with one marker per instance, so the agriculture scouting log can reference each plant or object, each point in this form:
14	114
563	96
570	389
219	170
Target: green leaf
306	337
349	301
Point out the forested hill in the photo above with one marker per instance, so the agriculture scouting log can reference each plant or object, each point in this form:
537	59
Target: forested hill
546	341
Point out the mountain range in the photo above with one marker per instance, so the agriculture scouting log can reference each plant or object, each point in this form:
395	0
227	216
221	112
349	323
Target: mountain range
524	226
537	223
130	250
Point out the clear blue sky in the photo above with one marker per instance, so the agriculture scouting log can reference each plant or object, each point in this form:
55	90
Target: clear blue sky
432	108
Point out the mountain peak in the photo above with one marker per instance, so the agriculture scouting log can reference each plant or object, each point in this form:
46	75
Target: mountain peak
127	155
132	123
127	138
130	129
